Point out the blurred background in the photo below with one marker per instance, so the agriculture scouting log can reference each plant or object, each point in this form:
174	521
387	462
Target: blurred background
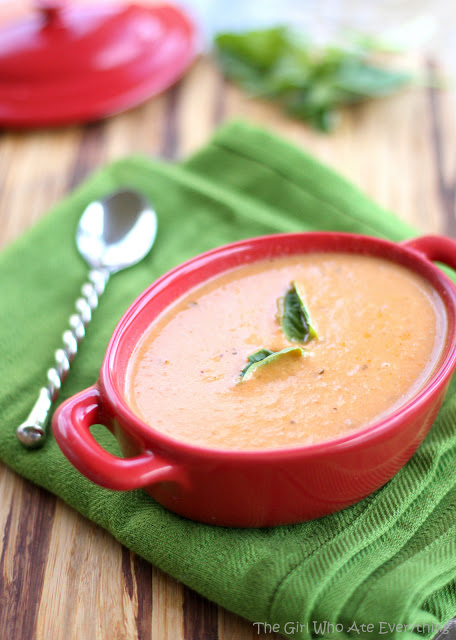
413	129
426	26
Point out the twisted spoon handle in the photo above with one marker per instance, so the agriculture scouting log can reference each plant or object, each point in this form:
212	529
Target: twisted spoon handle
31	433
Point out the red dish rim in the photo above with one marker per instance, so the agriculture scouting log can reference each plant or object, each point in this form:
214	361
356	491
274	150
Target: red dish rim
357	438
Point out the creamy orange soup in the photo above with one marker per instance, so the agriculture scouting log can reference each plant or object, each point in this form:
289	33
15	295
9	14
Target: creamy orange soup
380	331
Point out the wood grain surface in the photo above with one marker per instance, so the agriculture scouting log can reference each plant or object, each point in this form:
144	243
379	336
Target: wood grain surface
61	577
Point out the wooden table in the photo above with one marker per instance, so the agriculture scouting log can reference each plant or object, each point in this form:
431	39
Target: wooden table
60	575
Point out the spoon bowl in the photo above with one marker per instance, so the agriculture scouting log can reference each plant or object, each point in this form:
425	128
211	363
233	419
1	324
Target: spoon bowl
114	233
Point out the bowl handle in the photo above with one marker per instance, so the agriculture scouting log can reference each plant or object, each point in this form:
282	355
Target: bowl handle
437	248
71	426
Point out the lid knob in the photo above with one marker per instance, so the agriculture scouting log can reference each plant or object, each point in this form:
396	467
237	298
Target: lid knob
50	9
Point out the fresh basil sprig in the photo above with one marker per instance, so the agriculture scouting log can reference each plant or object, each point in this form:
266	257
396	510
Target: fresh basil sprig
266	356
309	83
294	316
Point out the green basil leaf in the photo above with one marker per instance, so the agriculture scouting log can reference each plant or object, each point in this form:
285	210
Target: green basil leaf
266	356
260	49
294	316
366	81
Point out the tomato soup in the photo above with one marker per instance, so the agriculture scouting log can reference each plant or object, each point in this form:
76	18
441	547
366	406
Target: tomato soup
380	330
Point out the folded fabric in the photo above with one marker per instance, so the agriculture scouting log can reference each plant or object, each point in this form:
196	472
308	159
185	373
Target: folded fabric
389	560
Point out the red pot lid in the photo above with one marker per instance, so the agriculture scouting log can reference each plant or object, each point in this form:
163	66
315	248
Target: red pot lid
77	63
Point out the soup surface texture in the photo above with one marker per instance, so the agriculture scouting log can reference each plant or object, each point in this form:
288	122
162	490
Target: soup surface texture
380	330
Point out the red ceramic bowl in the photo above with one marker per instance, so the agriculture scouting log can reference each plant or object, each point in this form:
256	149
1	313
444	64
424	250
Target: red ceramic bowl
253	488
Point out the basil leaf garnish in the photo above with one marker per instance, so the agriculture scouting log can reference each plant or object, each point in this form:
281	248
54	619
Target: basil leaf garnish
265	356
294	316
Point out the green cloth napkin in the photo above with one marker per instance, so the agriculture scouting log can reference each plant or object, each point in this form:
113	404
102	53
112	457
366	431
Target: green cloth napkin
389	560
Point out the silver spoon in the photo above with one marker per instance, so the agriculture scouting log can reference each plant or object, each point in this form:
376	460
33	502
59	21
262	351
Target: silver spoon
113	233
